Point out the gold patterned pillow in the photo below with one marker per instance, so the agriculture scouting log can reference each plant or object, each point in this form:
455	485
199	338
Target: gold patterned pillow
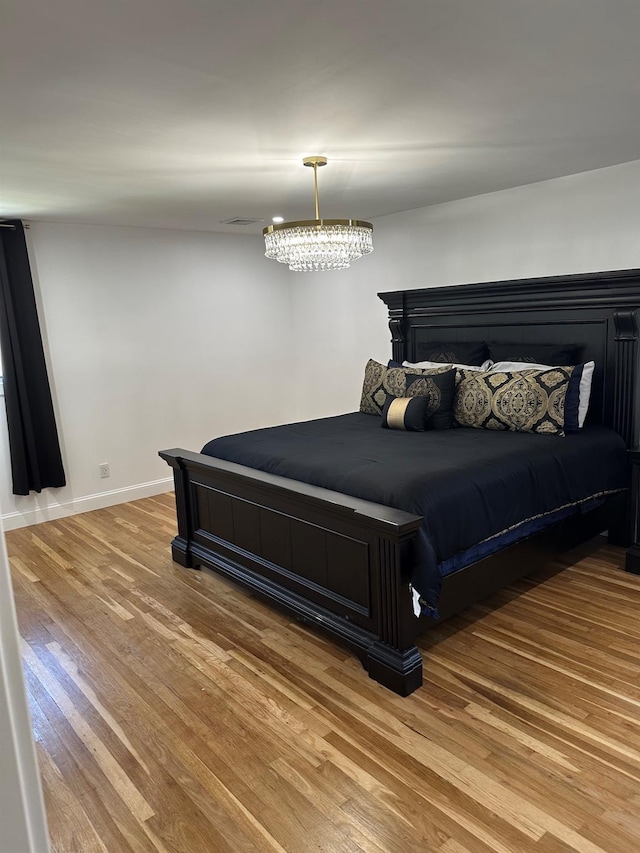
462	374
380	381
523	401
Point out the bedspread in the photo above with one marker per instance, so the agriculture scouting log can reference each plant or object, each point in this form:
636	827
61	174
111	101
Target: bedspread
471	486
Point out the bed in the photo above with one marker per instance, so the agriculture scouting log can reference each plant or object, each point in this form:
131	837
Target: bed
345	552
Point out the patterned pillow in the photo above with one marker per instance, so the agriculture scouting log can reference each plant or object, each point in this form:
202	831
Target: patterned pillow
380	381
523	401
463	373
577	403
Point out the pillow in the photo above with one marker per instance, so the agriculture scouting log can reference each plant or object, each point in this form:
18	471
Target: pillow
515	366
468	352
409	413
423	365
579	392
537	353
467	372
439	389
380	381
436	390
584	391
462	370
526	401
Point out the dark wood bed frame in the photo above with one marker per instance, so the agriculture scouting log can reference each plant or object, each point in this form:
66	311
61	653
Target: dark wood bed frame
341	564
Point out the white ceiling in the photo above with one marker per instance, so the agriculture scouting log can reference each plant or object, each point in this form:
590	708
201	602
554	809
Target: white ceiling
182	113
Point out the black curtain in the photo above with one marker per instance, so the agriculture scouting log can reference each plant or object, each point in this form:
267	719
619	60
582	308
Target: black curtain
33	438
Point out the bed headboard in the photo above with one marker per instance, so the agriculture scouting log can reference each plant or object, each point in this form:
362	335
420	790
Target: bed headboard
596	311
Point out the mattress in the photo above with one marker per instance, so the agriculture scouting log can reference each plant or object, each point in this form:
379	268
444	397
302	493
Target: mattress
477	490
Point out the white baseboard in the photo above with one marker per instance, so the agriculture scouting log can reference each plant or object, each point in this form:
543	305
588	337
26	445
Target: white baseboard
13	520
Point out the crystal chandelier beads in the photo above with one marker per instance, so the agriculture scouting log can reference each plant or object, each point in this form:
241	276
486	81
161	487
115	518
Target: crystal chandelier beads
316	245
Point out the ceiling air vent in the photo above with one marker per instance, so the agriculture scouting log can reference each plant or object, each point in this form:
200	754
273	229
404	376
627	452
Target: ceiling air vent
237	220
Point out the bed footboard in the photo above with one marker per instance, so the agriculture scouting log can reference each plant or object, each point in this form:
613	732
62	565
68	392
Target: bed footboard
334	562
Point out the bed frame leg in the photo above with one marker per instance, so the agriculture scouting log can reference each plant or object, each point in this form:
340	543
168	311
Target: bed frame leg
181	554
180	551
393	659
396	670
620	528
632	560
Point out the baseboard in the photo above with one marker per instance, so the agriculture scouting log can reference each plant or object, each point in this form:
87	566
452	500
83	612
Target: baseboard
13	520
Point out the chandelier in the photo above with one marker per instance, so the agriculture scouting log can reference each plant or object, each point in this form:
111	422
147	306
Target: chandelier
313	245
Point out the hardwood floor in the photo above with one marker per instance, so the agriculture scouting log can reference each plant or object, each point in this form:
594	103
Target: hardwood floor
173	712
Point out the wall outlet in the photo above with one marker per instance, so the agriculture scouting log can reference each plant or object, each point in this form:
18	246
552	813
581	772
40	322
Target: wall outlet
104	469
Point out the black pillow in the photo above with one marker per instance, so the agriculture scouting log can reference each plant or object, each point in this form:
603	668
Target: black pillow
466	352
555	355
408	413
439	389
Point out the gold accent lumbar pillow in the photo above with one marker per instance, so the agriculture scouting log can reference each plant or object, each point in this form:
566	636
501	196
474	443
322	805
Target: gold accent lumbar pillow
408	413
523	401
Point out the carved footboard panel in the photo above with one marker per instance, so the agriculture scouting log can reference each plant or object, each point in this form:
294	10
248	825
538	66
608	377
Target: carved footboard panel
330	560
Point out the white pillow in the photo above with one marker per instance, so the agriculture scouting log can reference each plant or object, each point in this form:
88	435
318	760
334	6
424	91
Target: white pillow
425	365
585	380
510	366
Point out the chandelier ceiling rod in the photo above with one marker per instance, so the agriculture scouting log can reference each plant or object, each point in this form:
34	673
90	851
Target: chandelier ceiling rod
315	162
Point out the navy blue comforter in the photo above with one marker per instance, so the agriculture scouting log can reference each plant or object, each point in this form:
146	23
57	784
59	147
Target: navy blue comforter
473	487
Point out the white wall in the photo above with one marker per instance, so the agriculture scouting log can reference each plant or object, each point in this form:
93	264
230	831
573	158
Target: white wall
155	339
580	223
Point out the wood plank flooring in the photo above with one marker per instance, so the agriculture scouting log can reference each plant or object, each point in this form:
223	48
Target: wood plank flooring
173	712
